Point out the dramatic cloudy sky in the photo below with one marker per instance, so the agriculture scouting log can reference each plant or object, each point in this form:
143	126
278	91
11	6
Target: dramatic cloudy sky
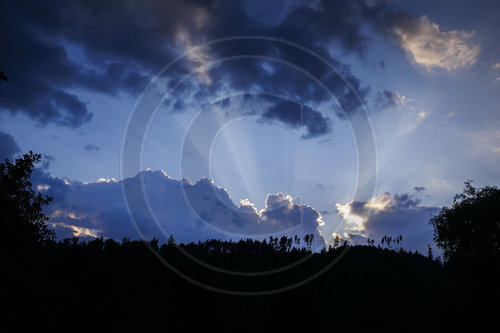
356	118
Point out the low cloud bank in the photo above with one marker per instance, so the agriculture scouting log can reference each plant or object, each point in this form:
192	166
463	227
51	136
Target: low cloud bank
401	214
189	211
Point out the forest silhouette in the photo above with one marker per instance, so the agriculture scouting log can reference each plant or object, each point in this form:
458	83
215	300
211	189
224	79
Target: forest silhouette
105	284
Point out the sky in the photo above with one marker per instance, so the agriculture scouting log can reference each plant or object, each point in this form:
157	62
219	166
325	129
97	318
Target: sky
232	119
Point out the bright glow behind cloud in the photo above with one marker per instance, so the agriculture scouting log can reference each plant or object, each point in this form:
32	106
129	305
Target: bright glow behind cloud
431	47
198	57
396	215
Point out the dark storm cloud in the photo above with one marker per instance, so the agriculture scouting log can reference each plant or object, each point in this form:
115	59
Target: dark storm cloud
35	41
294	72
295	116
419	188
53	49
38	72
8	147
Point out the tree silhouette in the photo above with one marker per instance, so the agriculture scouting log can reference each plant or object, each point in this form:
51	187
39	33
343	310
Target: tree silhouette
3	77
429	252
396	279
336	241
469	231
22	220
307	239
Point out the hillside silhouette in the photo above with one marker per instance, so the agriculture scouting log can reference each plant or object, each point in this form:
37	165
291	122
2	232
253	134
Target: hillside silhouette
109	285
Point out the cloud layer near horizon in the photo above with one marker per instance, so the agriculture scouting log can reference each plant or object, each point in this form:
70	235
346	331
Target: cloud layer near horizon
202	210
396	215
97	209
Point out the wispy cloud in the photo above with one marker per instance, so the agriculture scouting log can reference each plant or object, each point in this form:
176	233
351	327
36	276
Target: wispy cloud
496	67
488	139
387	99
413	121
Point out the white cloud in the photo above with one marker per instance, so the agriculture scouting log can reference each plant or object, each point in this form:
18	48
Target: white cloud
402	100
106	180
430	47
43	187
69	230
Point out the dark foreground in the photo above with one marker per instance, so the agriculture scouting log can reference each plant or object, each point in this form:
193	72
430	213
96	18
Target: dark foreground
123	287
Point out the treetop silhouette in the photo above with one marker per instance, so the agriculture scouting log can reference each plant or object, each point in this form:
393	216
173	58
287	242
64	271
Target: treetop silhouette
469	230
22	220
